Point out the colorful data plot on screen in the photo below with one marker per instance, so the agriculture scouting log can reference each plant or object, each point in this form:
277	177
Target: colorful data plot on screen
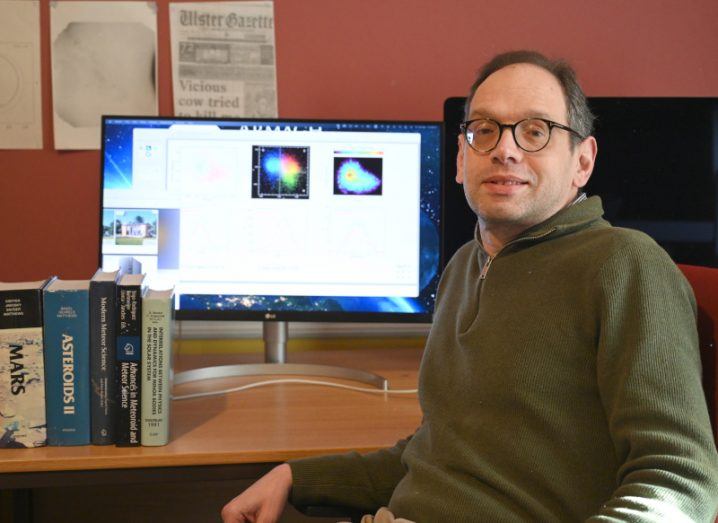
358	176
280	172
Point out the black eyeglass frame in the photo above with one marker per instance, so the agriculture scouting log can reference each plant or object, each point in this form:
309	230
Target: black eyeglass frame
463	127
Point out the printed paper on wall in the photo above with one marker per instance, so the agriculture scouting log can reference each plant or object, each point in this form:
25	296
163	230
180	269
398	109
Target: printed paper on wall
20	94
223	59
103	62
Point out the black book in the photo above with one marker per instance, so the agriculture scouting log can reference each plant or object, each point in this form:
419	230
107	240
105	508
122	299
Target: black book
103	343
128	357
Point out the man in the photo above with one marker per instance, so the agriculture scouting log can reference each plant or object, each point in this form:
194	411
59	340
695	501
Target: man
561	377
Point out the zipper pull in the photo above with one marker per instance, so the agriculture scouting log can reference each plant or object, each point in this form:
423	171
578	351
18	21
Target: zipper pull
485	268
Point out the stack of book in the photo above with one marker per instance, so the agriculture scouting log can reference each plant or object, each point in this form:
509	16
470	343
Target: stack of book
85	361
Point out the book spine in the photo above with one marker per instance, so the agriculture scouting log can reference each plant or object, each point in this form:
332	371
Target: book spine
67	362
103	382
128	356
22	375
156	370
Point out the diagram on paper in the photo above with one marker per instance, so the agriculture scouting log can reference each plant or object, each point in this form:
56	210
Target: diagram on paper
16	84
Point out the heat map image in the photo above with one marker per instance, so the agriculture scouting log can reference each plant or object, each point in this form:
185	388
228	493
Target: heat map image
357	176
280	172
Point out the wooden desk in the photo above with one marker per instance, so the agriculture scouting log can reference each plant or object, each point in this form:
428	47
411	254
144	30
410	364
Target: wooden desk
245	433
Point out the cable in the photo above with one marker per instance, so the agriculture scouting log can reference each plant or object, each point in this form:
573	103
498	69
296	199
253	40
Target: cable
291	380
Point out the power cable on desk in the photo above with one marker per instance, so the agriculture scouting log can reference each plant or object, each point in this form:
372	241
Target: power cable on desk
291	380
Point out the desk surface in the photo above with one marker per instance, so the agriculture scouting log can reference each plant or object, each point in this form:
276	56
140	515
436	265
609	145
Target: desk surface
261	425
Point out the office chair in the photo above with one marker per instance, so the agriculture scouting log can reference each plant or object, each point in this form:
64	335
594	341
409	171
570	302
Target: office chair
704	281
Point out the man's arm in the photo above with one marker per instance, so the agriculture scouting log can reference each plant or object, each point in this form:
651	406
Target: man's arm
264	500
351	480
364	482
649	376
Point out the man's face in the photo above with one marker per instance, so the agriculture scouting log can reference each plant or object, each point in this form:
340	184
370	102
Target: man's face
508	187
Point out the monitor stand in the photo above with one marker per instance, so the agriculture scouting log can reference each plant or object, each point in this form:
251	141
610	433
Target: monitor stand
275	334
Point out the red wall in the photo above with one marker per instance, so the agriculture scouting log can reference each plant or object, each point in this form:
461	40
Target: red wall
379	59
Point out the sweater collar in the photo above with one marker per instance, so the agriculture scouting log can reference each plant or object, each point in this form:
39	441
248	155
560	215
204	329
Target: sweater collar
580	214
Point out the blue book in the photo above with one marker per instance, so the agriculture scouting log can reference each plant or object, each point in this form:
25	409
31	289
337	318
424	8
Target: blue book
67	362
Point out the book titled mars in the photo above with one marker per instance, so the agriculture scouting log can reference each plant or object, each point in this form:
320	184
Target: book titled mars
22	374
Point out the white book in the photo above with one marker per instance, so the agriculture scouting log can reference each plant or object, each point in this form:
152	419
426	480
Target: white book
157	337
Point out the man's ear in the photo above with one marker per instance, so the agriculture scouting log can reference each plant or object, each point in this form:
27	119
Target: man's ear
585	160
460	159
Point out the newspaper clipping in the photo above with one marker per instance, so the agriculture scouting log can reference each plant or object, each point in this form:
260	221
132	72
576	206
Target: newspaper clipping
223	59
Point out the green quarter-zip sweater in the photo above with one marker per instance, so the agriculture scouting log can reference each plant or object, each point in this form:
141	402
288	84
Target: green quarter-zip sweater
560	382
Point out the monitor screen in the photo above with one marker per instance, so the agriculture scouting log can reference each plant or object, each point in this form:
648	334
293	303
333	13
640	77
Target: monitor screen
277	219
655	171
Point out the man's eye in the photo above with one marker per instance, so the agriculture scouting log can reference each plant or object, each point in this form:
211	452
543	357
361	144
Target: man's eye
534	129
484	128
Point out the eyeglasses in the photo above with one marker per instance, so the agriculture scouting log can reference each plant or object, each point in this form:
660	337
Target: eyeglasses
531	134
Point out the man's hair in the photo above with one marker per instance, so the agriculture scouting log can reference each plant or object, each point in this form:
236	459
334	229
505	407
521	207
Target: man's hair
578	113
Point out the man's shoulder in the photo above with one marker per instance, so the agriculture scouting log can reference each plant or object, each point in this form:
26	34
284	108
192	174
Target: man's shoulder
629	252
614	239
603	250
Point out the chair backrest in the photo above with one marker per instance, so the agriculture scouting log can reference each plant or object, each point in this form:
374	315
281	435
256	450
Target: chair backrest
704	281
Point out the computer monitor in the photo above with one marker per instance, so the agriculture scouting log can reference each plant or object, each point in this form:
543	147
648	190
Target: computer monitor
277	220
655	171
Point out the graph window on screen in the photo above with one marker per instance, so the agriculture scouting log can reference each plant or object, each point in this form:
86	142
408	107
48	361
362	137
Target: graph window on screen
295	217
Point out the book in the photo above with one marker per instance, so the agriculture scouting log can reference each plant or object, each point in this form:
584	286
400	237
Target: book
128	356
157	337
67	361
103	339
22	368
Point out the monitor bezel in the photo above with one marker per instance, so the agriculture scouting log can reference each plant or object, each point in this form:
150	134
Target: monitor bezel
288	315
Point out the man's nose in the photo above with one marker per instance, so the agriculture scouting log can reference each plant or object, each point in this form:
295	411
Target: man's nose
506	149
